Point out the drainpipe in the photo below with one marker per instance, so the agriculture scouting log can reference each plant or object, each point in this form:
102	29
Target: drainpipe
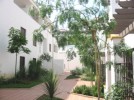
52	55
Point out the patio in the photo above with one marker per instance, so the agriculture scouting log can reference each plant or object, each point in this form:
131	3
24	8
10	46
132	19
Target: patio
64	90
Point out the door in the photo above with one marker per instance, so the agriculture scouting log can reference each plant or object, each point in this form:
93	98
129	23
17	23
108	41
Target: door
22	66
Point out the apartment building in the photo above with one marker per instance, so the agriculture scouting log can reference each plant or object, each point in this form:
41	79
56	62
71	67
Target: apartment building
123	12
15	13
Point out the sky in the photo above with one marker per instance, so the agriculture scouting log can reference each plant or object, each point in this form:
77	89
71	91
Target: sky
77	7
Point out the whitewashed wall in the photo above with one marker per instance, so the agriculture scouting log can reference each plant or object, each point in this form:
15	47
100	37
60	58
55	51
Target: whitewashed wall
14	16
72	64
54	64
110	74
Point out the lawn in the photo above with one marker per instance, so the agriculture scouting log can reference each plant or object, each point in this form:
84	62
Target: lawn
24	84
72	77
45	97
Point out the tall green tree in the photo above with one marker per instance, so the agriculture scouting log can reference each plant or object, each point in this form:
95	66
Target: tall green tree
81	19
17	43
37	35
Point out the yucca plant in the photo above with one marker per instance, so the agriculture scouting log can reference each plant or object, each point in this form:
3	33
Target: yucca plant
51	84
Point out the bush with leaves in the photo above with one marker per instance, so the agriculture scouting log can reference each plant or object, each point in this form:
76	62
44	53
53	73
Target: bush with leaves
119	90
88	75
82	90
90	91
34	69
2	79
77	71
51	84
88	78
45	56
34	12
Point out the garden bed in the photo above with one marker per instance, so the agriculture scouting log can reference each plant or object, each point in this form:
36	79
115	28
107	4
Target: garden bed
45	97
20	84
88	90
72	77
75	96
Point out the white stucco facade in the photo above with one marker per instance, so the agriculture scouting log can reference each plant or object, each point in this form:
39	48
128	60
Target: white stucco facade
70	64
110	74
12	15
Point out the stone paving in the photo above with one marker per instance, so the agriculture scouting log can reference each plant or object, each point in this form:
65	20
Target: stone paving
65	87
64	91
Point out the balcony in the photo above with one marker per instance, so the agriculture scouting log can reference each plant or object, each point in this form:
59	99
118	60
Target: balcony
23	4
29	7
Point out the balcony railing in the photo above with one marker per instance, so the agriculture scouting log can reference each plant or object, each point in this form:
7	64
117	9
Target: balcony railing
29	7
122	0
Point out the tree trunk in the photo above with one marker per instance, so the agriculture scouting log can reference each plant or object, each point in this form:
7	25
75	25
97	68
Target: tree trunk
98	62
15	66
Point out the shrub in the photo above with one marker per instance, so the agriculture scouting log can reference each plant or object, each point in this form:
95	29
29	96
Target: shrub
38	68
43	72
51	84
87	74
73	72
72	77
85	90
78	90
2	79
120	91
34	69
94	91
21	74
77	71
88	78
82	90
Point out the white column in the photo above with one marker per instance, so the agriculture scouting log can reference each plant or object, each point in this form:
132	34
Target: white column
108	72
113	69
133	68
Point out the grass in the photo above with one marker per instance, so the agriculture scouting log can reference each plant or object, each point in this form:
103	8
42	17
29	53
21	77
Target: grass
24	84
87	78
72	77
45	97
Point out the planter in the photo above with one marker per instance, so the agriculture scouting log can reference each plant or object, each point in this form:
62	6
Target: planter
87	83
75	96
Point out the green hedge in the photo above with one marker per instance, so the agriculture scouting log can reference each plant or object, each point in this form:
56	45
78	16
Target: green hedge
90	91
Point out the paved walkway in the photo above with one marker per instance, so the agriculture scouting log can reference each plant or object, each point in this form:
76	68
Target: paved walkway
64	91
65	87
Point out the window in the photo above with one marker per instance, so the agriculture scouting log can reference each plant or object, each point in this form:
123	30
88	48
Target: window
63	48
55	48
50	47
34	59
23	31
22	66
34	43
116	1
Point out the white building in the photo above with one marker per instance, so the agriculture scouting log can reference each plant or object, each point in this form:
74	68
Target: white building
15	13
123	12
73	63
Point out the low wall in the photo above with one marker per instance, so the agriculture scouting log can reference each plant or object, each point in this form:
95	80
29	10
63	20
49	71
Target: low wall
56	64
